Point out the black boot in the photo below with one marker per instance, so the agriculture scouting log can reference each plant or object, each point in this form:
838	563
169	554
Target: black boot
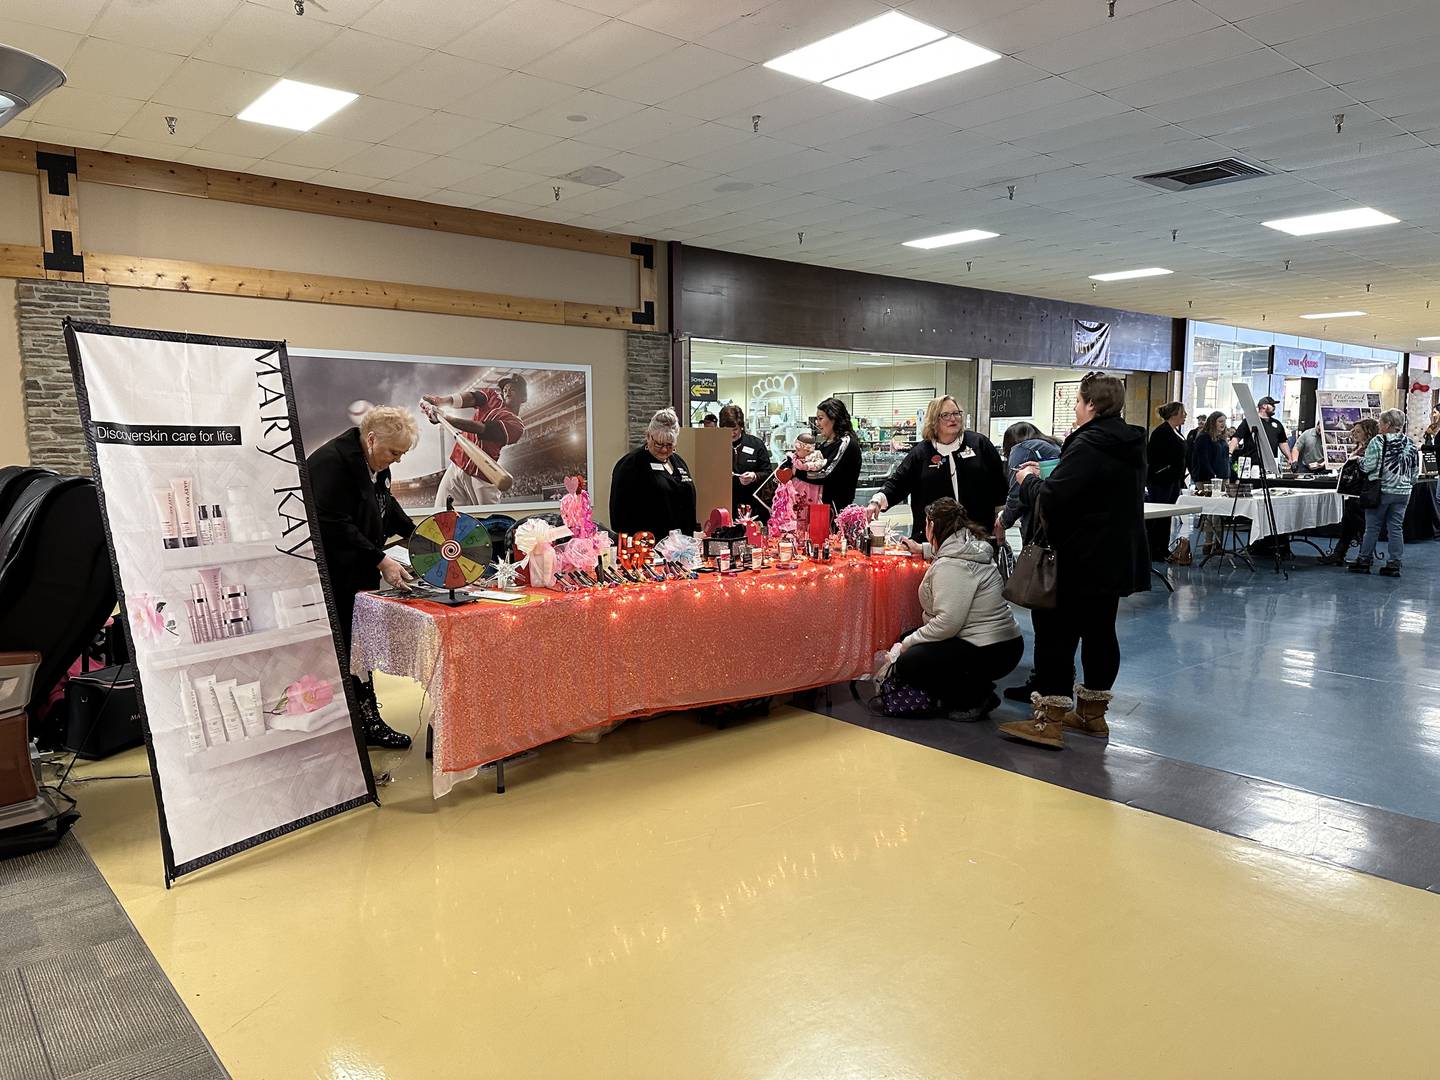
377	732
1361	565
1021	692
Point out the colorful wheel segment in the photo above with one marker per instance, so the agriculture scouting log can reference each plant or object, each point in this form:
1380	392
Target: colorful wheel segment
450	550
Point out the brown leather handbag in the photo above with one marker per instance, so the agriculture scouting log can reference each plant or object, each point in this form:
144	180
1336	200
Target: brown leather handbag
1032	581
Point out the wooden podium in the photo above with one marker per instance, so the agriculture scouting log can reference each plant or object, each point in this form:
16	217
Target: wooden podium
708	453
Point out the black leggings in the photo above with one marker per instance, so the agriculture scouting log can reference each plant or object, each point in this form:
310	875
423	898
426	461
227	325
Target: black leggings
955	672
1089	623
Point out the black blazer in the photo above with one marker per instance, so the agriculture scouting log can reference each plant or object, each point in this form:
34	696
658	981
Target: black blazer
356	515
1165	458
840	476
645	497
1093	509
749	454
980	478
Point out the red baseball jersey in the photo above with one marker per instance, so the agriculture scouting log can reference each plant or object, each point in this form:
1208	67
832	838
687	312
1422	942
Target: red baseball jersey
491	407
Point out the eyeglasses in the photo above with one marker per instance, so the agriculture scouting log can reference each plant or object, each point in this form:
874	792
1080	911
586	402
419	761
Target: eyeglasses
952	415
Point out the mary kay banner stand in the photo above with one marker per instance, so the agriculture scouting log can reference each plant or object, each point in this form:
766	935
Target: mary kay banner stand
207	509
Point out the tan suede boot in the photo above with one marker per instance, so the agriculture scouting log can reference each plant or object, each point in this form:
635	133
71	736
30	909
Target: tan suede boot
1088	716
1181	556
1045	726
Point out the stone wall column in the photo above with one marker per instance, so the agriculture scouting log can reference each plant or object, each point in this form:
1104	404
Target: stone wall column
52	419
647	381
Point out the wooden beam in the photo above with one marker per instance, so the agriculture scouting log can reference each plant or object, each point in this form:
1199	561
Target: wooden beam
17	156
143	174
59	213
140	272
21	261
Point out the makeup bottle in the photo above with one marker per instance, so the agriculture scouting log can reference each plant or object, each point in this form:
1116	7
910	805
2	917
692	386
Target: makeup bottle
219	528
165	509
210	715
194	731
202	525
184	493
210	579
200	627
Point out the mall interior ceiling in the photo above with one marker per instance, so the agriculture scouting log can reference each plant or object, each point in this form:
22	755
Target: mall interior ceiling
660	118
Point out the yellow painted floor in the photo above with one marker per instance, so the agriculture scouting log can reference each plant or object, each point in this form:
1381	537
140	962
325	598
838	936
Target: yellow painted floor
792	898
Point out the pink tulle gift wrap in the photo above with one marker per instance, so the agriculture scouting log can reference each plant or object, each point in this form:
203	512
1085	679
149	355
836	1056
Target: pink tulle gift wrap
504	678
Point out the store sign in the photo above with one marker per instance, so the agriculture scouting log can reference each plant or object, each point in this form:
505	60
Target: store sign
1298	363
205	498
704	386
1090	344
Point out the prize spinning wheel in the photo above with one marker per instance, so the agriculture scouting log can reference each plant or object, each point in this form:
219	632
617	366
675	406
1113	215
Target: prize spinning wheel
450	550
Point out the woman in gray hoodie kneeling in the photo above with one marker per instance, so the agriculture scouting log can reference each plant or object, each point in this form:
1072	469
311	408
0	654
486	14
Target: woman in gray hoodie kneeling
969	639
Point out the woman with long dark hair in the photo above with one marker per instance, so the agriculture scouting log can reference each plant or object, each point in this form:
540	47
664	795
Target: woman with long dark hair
1164	477
1023	442
840	447
1092	508
1209	459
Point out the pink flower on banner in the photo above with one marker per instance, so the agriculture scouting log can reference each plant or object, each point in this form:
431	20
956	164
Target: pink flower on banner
307	694
145	618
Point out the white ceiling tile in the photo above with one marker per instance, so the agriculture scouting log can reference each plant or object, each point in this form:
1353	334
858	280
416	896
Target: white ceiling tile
1170	58
105	67
82	110
747	151
315	151
266	167
1369	35
1122	38
336	12
1055	118
1043	94
425	23
639	129
54	46
602	54
401	189
174	28
1034	24
244	139
688	19
438	81
741	90
1239	99
63	136
502	146
212	88
146	148
191	126
371	119
348	181
356	61
1203	78
496	182
660	181
265	40
673	73
612	8
778	28
694	142
1296	20
441	172
524	31
382	162
76	16
512	96
578	114
440	133
561	157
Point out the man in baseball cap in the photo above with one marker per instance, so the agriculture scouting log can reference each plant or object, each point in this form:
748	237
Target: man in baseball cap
1244	439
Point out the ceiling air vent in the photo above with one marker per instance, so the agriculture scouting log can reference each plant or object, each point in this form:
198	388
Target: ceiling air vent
593	175
1210	174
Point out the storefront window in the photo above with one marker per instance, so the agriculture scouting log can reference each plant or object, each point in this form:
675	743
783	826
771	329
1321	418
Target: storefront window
779	387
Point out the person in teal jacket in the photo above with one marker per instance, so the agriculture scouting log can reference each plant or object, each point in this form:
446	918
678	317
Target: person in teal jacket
1393	458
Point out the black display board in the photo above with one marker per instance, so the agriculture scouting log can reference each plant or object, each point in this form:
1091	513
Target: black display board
1012	397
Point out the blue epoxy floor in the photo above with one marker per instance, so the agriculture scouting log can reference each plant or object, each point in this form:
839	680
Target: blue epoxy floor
1328	682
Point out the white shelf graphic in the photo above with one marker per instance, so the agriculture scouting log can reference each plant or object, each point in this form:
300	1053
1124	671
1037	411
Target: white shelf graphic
264	641
215	555
334	717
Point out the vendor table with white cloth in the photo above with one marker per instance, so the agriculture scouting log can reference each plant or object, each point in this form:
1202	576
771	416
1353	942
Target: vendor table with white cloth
1155	511
1295	511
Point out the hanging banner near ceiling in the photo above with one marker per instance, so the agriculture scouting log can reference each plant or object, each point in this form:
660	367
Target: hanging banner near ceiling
1090	344
1340	410
1285	360
198	458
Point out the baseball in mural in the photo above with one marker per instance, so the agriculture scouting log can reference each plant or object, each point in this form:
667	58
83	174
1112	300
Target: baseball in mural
492	433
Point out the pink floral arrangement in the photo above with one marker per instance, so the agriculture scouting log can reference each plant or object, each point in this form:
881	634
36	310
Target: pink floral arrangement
852	524
575	508
782	511
306	695
582	552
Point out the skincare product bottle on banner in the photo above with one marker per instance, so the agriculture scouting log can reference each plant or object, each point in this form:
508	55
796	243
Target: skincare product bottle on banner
210	578
219	530
184	492
210	715
202	525
236	612
252	713
164	499
199	616
229	711
194	731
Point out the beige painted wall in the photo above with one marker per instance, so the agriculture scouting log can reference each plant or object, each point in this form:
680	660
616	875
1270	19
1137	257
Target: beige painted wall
323	326
19	209
12	412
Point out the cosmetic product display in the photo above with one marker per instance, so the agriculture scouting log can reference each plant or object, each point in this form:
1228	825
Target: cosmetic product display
211	717
202	525
164	499
295	607
183	491
219	529
251	709
229	711
235	611
194	728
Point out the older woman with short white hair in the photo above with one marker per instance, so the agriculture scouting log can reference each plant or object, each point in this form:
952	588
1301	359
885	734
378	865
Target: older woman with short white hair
651	489
1392	458
947	462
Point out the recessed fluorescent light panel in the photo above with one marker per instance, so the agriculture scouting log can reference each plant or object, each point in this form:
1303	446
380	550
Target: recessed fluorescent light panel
296	105
884	55
1362	217
1126	275
1436	338
946	239
1333	315
938	60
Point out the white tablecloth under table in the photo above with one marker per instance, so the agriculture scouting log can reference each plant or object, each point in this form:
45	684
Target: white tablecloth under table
1295	511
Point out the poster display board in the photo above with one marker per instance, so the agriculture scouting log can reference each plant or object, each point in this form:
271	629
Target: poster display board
1090	344
205	498
1248	407
1340	410
1063	418
1012	397
532	420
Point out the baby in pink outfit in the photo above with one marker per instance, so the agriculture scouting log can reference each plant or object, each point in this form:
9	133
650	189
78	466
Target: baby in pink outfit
806	457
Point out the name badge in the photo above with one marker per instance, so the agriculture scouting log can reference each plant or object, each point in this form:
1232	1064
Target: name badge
749	450
967	453
937	464
657	466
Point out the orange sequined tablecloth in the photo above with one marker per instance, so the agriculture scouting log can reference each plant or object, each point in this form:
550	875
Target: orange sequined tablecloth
507	677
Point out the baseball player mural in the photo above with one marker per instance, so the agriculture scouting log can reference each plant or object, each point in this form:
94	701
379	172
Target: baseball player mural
477	479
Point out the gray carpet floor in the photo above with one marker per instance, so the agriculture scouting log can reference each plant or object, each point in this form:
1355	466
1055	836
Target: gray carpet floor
81	997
